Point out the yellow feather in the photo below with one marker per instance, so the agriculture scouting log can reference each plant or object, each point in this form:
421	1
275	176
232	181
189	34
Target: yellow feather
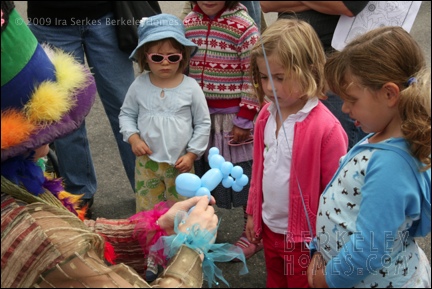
74	199
70	74
58	99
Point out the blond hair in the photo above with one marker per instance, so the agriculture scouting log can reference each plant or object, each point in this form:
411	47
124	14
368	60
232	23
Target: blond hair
297	46
389	54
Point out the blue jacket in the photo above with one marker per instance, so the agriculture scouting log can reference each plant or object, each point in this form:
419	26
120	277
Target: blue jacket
369	214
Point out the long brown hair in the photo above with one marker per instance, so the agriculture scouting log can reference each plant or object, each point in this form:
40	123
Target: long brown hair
390	54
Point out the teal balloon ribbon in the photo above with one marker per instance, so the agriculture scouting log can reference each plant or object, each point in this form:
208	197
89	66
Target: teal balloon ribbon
201	240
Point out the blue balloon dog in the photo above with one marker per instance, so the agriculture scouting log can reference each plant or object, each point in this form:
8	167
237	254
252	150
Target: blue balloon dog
190	185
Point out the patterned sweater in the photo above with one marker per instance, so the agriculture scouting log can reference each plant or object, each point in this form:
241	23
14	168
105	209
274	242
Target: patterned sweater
221	64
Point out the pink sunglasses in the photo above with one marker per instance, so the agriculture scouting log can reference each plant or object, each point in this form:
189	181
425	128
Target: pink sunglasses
159	58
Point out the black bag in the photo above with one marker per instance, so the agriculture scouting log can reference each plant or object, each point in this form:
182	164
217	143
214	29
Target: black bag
128	15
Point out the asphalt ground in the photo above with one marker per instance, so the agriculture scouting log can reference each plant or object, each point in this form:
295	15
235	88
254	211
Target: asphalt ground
115	199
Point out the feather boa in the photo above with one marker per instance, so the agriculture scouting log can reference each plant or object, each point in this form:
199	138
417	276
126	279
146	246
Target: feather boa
147	231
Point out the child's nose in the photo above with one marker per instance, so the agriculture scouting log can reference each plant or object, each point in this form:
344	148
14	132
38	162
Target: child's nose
268	86
345	107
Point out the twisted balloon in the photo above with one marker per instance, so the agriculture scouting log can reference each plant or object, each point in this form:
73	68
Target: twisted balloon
190	185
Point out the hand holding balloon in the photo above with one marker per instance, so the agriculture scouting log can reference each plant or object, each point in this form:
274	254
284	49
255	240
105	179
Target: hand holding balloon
190	185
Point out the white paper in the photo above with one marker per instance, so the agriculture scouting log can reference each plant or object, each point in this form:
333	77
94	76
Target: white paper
375	14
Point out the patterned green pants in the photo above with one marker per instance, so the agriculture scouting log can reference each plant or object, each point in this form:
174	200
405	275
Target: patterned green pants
155	182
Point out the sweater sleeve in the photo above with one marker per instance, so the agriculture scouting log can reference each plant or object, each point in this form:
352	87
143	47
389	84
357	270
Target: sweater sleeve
255	188
334	146
249	105
128	116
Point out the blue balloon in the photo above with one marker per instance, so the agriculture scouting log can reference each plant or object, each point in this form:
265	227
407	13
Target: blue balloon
190	185
237	172
213	151
211	179
243	180
187	184
226	168
236	187
203	191
216	161
227	182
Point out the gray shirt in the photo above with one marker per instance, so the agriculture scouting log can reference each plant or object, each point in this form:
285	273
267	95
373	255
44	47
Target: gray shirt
172	121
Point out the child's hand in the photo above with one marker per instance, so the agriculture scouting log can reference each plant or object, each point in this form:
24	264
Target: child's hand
139	147
240	135
316	272
184	163
250	233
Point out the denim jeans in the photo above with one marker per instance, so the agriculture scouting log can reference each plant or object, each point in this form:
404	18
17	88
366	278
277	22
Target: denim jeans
334	104
113	72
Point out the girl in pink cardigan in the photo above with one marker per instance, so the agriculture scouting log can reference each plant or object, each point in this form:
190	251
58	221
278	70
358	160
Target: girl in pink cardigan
297	145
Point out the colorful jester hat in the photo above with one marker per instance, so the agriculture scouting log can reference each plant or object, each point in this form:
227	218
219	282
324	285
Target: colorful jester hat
45	92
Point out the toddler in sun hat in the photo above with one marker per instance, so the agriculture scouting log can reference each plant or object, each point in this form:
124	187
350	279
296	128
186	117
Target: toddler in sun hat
33	76
164	116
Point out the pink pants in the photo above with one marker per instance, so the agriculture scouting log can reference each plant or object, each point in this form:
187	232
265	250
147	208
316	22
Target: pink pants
286	262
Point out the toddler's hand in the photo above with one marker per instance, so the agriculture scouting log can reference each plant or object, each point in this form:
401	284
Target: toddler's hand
185	163
139	147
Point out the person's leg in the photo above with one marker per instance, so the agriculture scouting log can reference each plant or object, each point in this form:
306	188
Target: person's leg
274	262
334	104
113	72
73	151
149	188
297	260
286	262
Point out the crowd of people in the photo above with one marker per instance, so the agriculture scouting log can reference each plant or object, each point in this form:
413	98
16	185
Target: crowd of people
319	134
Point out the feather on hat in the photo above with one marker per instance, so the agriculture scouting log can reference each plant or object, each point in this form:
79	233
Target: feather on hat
45	92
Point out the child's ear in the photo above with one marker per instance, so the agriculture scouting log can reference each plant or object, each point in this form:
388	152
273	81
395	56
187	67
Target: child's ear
391	92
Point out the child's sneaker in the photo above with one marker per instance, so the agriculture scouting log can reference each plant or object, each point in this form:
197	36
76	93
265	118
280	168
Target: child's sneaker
152	269
249	249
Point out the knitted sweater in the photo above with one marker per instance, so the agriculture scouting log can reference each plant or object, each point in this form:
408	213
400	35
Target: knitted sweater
221	64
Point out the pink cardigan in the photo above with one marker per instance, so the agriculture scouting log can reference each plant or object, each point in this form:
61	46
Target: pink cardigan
319	143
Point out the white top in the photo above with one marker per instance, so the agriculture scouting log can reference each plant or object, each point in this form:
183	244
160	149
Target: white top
277	167
171	123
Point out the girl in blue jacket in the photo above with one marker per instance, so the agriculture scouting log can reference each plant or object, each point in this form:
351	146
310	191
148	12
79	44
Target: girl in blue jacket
379	199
